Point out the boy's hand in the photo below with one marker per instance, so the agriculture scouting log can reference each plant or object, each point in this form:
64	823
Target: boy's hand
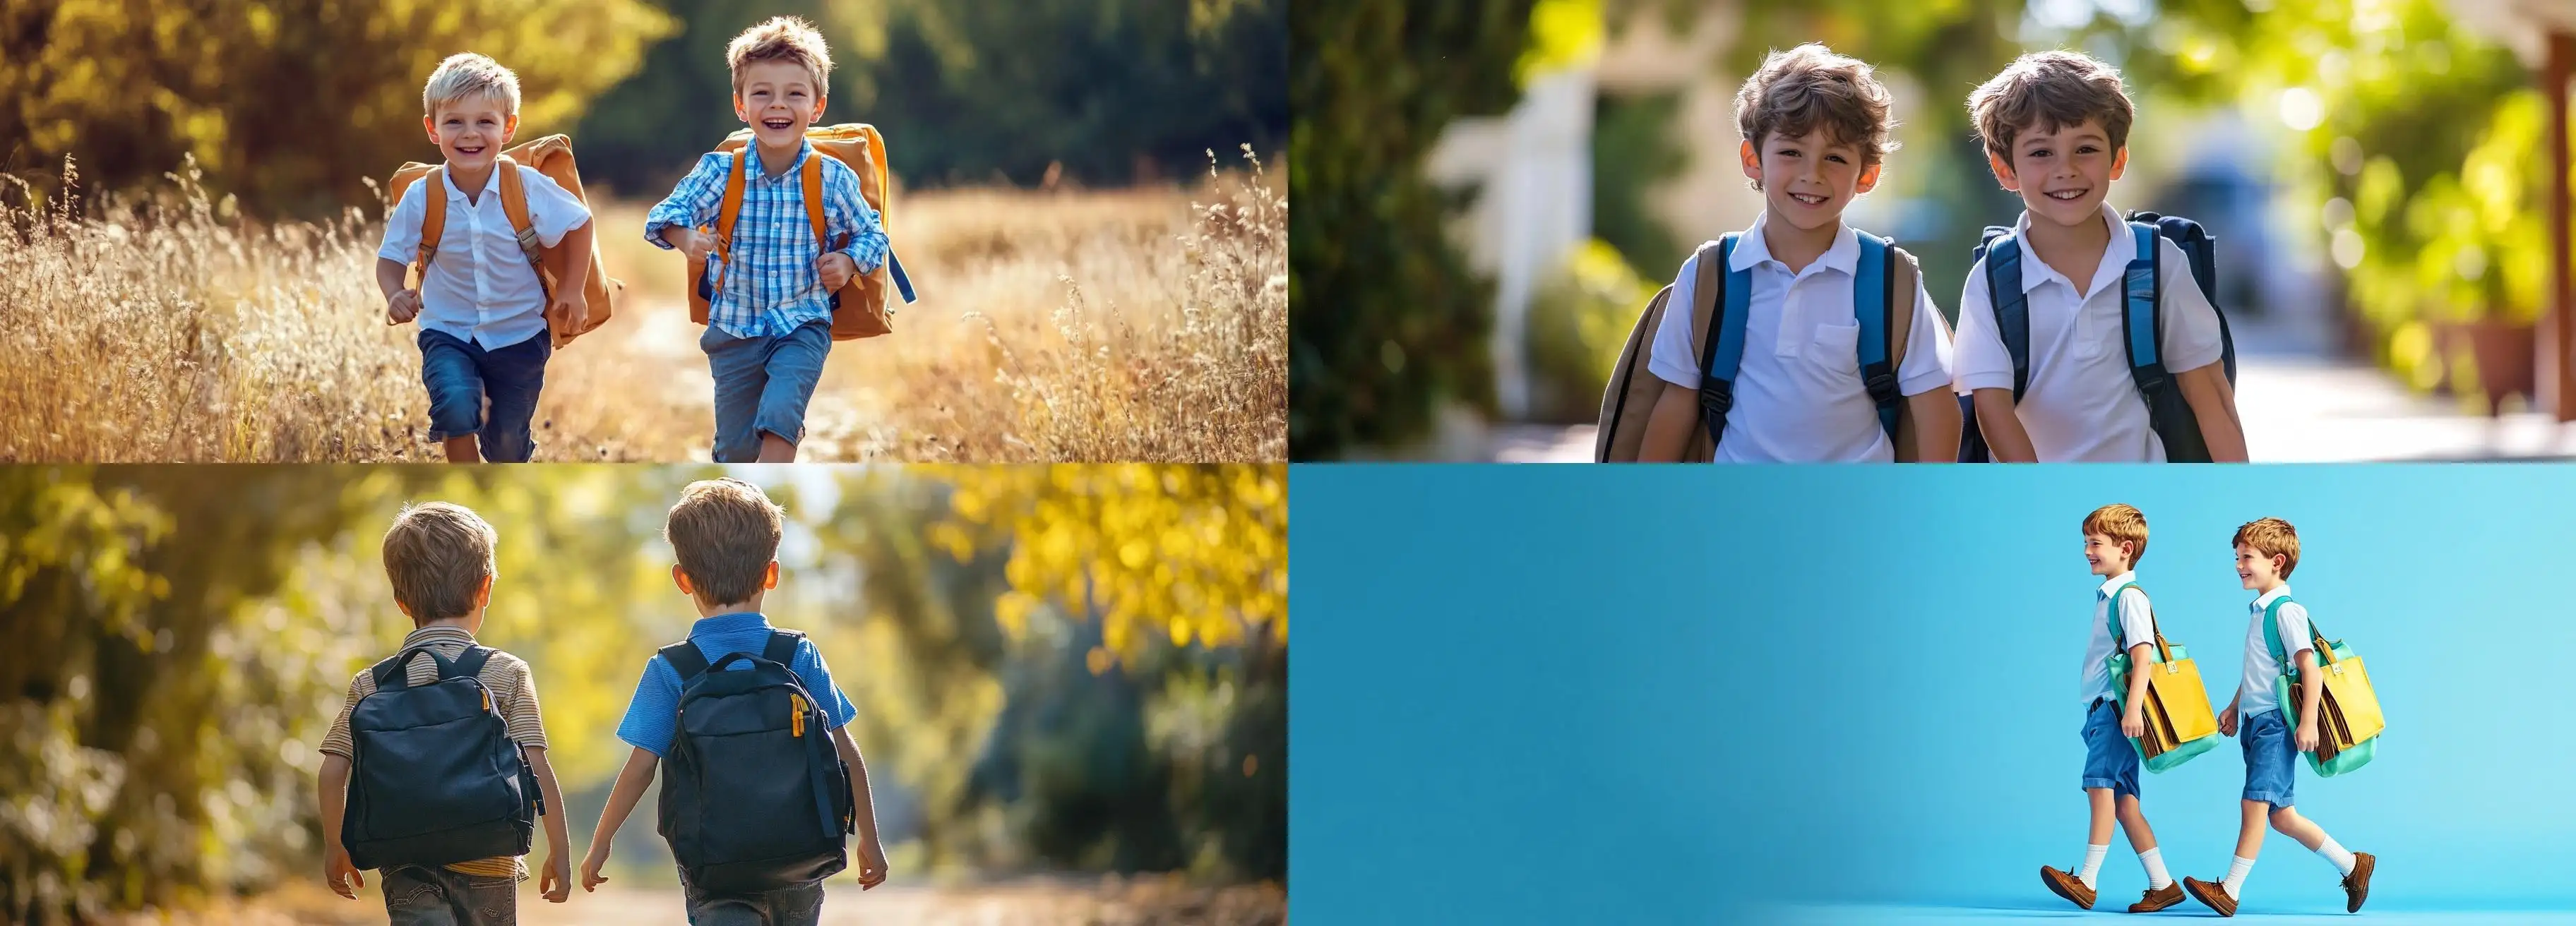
836	268
2227	721
689	242
591	879
872	864
556	883
2306	738
573	307
403	306
340	874
2133	723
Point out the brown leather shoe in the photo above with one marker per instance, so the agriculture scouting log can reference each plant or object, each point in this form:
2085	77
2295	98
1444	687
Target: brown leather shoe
2156	900
2356	886
2211	893
2066	885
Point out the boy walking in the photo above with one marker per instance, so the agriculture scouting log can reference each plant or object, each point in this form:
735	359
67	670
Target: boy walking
769	318
725	534
482	309
2115	538
2266	551
2056	128
1795	386
439	559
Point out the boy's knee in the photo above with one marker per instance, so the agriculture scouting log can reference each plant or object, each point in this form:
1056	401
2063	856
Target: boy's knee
2284	817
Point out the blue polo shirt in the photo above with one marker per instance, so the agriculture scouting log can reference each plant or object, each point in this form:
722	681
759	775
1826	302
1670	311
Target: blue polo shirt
654	714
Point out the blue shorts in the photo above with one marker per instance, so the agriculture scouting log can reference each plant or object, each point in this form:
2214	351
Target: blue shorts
461	375
2109	760
2270	758
762	385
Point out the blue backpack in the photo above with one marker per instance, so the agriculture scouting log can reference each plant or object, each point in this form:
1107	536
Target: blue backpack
756	798
435	778
2143	325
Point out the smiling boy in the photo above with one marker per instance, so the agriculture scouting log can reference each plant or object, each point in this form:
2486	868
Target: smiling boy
481	306
1815	128
2056	128
770	316
2115	539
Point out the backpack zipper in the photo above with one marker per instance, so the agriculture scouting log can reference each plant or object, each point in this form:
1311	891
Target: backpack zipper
796	721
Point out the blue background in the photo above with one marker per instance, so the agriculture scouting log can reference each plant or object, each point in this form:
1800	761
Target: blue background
1589	694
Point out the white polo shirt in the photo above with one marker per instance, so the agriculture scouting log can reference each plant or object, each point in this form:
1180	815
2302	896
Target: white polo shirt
2137	624
1798	391
479	287
2081	404
2254	694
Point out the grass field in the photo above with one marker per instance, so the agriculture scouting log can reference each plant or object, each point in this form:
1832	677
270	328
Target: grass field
1141	324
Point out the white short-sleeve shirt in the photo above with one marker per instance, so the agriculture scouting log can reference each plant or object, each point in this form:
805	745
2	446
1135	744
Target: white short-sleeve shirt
2137	625
479	287
2081	404
2254	694
1798	391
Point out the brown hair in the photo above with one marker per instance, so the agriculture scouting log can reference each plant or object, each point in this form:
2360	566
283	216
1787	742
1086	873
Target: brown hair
781	38
436	556
2271	537
2049	90
2122	524
725	532
1808	87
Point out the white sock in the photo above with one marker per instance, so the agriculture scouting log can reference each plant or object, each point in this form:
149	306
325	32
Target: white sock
2154	859
2334	852
2092	870
2237	868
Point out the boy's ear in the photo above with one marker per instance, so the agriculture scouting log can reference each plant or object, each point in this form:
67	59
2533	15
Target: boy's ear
1752	161
2119	162
483	594
819	100
429	125
681	579
1869	177
769	579
738	111
2004	172
510	127
404	608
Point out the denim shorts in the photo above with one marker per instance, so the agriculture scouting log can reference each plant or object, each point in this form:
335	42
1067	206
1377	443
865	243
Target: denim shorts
460	375
801	905
2109	760
2271	759
429	895
763	384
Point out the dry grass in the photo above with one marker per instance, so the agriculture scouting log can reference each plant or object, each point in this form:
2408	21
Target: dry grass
1144	324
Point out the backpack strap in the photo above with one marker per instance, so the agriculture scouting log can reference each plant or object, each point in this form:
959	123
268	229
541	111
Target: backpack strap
782	647
390	675
2011	305
812	181
468	664
685	659
1881	346
514	203
1722	345
433	218
2142	321
728	212
2272	634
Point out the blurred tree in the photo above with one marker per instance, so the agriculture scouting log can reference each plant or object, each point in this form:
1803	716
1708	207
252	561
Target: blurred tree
287	103
1386	322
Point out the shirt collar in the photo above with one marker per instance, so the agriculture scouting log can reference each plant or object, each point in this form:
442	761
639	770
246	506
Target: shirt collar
759	173
440	633
723	623
2115	253
2266	599
491	182
2113	583
1752	249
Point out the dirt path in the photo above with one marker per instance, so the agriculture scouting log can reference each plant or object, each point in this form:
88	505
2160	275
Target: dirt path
1108	902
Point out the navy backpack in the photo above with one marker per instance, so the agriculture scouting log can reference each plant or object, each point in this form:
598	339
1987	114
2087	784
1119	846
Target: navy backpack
756	798
435	777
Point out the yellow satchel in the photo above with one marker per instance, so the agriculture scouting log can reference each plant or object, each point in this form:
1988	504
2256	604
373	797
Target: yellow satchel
2180	724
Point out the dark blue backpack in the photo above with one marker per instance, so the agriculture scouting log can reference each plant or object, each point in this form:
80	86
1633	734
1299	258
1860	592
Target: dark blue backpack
1875	303
756	798
2142	324
435	778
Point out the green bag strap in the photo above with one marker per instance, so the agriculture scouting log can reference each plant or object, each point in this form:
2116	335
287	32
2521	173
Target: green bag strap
2272	637
2119	640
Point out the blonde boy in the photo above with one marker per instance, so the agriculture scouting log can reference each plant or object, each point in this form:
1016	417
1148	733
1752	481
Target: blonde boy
1815	128
2056	128
481	307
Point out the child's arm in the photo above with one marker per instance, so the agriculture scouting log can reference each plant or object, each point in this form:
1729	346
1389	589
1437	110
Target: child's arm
2312	683
1936	426
337	870
2227	718
864	228
863	811
2133	717
631	782
2213	401
1670	426
402	304
569	293
2006	440
556	883
673	222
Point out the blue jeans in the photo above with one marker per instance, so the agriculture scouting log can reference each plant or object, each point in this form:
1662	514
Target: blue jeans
2271	760
2109	760
795	906
429	895
762	385
460	374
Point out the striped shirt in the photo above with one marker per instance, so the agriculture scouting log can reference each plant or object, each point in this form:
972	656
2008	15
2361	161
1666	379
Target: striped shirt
654	715
772	287
514	692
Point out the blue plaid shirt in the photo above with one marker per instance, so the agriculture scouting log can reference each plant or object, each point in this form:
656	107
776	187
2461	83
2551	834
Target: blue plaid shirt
654	714
772	286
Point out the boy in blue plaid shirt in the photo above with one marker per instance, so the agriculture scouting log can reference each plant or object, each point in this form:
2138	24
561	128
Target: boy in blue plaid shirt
769	325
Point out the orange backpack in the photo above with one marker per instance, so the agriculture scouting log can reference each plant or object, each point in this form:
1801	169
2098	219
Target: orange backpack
861	308
551	156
